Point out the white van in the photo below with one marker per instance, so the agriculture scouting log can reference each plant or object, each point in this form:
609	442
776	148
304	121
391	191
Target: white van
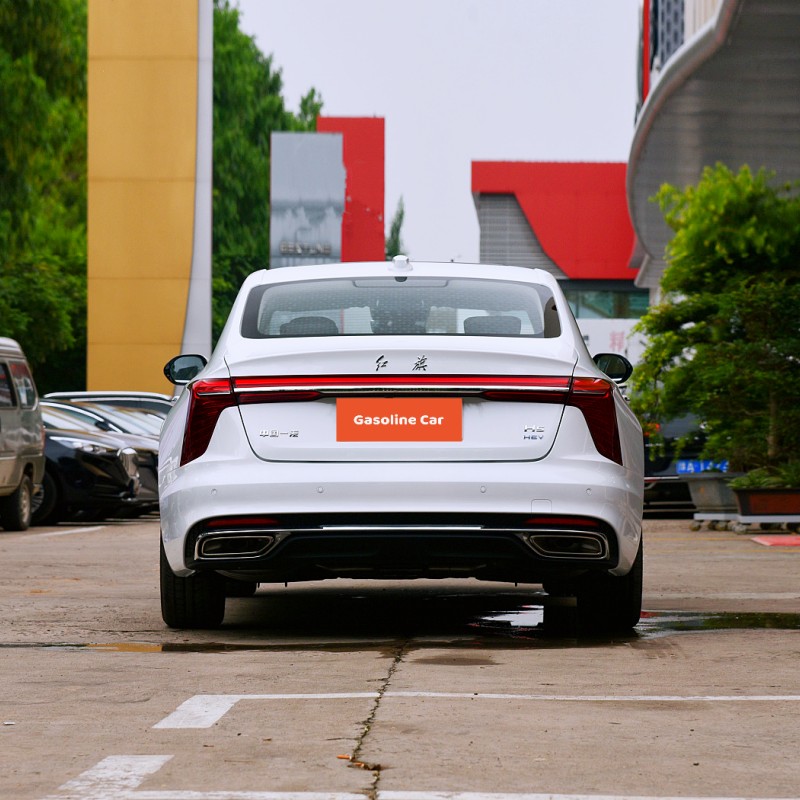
21	438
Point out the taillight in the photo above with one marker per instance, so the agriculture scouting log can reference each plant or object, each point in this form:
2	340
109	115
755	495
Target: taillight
241	522
535	389
286	396
334	384
208	400
570	521
595	398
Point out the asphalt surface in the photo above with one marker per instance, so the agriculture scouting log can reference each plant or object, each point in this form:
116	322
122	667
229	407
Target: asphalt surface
452	689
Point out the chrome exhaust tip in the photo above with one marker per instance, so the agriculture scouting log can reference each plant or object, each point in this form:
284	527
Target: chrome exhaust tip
233	544
569	544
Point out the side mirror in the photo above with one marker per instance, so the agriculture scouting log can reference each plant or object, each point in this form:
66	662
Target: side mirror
617	367
182	369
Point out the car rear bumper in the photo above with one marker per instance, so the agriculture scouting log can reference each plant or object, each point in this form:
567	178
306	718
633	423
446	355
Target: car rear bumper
366	519
522	548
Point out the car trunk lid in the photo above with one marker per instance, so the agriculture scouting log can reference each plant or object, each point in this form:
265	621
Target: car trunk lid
349	402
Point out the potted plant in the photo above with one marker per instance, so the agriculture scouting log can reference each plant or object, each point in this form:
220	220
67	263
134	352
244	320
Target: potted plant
724	342
769	491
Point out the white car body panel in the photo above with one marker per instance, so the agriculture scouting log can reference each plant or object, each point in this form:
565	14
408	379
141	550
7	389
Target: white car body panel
282	432
568	485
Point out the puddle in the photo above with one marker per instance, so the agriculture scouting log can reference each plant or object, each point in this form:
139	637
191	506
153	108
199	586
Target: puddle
664	622
456	661
527	626
559	621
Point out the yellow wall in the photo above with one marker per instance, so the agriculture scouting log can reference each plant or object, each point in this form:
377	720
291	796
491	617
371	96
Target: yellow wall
142	140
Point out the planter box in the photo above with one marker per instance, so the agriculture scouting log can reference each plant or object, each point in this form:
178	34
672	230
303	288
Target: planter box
711	493
768	502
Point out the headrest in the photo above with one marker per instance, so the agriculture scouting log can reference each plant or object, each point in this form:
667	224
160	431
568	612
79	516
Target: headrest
492	326
309	326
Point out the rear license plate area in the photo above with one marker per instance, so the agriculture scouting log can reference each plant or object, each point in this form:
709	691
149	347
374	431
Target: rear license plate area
399	419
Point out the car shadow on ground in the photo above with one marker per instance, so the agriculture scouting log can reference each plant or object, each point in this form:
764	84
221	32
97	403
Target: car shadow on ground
431	615
450	615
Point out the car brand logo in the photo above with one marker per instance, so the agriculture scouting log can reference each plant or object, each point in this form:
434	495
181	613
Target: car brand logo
420	365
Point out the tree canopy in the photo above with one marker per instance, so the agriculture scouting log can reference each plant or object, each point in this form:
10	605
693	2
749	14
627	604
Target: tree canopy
394	241
43	175
724	343
43	159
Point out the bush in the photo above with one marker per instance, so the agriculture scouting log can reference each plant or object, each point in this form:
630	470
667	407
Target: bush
724	343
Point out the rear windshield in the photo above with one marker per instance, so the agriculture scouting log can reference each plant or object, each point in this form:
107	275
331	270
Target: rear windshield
401	306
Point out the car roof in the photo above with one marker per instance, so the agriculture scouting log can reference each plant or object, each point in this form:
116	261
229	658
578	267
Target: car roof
10	348
372	269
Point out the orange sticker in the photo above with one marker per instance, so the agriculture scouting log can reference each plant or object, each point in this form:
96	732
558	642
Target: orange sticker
398	419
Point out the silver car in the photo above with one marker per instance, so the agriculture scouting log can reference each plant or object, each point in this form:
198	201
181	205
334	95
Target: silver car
21	438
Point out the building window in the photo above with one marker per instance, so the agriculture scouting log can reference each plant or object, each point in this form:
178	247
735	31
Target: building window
605	299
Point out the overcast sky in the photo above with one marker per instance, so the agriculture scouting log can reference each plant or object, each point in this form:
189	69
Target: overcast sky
460	81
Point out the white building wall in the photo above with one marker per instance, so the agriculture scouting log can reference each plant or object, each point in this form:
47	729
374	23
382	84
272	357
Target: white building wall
696	14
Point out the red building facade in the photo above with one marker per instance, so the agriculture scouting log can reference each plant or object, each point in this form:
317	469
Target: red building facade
363	147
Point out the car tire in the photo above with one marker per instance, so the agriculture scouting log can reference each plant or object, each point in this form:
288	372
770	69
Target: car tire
194	602
47	508
611	603
16	508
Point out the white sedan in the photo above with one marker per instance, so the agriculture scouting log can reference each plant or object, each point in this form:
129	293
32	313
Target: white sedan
401	420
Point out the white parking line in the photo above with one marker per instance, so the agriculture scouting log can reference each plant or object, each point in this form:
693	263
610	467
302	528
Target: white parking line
723	596
72	530
504	796
112	777
528	796
119	776
204	710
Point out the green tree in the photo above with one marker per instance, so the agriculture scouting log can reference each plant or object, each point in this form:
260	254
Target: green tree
43	179
248	106
394	241
724	343
43	174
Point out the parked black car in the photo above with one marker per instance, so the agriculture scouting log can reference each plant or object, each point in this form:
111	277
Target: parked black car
88	476
665	464
131	432
92	472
